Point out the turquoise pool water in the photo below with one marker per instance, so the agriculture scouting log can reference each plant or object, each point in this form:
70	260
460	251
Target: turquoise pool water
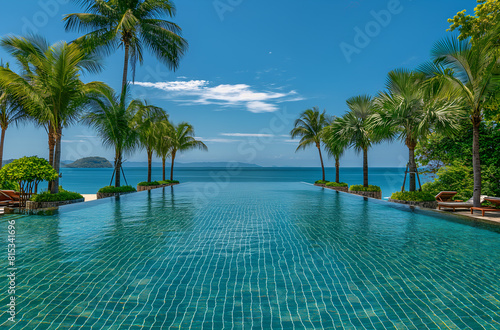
251	255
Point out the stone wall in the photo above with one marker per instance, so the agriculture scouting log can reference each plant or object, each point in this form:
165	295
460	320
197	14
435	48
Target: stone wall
30	205
105	195
142	188
343	189
427	205
371	194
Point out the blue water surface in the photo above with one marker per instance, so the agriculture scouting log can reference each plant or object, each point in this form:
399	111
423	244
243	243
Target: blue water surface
246	255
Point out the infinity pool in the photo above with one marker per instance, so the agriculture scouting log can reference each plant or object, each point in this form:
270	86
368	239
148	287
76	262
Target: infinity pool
251	255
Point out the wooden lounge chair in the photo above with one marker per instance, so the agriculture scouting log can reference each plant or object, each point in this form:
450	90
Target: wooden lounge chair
459	205
9	198
483	209
445	196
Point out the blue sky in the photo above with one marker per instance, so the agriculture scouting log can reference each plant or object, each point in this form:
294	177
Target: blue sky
251	68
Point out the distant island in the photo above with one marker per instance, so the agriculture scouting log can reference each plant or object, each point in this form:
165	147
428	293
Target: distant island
90	162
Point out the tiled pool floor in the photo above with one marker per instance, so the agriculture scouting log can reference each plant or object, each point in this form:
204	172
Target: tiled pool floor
252	256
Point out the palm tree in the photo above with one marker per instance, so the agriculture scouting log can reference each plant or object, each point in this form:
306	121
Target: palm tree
10	113
112	118
147	124
163	146
413	107
49	88
473	70
309	127
335	147
354	129
133	25
181	138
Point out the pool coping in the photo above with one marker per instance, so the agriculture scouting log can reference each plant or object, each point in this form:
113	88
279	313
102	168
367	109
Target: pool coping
457	218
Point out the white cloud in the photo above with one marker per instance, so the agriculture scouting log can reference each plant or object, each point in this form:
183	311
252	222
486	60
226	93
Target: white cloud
246	135
238	95
217	140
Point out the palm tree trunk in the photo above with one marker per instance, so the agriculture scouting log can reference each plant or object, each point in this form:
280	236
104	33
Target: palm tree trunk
163	166
413	165
52	144
150	160
337	169
54	189
125	67
365	167
476	160
118	167
172	166
321	158
2	139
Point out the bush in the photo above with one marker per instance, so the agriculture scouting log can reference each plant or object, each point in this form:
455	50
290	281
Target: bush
321	182
168	181
413	196
112	190
152	183
64	195
9	185
360	187
335	184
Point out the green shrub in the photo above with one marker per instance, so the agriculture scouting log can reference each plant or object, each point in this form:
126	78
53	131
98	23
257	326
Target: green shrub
152	183
413	196
112	190
168	181
321	182
360	187
64	195
335	184
9	185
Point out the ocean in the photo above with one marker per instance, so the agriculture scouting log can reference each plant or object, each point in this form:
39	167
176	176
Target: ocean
88	181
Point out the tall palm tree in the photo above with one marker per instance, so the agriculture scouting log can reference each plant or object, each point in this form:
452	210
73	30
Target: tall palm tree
133	25
112	117
335	147
413	107
309	127
355	129
163	147
147	124
181	138
473	70
10	113
50	87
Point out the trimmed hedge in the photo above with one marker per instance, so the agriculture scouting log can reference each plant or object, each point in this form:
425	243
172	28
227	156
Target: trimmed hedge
335	184
152	183
360	187
413	196
321	182
113	190
60	196
168	181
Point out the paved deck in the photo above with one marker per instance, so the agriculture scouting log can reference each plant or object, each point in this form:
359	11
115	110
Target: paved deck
489	217
89	197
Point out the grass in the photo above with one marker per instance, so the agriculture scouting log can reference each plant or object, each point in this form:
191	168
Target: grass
145	184
335	184
112	190
413	196
168	181
321	182
360	187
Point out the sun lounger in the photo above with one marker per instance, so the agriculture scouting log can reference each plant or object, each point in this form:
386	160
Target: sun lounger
459	205
483	209
9	198
445	196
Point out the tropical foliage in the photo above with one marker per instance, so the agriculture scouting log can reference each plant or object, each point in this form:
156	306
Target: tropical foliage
309	127
50	87
181	138
62	195
369	188
132	24
413	196
112	190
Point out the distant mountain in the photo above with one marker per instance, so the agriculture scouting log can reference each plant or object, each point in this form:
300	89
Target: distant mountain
90	162
195	164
